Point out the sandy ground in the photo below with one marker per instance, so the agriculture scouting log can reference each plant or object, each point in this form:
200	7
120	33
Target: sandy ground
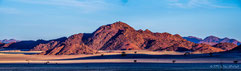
114	61
115	57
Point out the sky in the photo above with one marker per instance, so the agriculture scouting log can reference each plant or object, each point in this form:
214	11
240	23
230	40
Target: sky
51	19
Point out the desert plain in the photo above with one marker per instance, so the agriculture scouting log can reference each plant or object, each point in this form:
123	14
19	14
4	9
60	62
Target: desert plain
113	60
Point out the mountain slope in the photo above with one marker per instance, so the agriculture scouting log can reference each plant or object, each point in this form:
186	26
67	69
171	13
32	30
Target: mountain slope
71	46
236	49
1	44
225	46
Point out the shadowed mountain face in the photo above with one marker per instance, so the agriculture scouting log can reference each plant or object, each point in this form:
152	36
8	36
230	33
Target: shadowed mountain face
236	49
120	36
193	39
1	44
212	40
225	46
27	44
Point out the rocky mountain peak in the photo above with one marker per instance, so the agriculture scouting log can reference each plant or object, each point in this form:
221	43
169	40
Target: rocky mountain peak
115	27
211	39
122	26
148	31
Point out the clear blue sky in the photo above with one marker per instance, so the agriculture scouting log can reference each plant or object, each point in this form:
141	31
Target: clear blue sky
50	19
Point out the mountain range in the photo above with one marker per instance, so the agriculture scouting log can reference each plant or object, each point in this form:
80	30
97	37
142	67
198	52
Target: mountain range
212	40
8	41
117	36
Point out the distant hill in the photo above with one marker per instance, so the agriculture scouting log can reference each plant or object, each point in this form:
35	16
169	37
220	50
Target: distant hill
193	39
212	40
29	44
8	41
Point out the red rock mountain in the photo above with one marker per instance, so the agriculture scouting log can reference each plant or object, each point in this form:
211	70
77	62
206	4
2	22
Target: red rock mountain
120	36
71	46
225	46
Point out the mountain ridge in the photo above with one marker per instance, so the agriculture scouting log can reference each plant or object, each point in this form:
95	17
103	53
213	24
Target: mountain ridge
121	36
8	41
212	40
117	36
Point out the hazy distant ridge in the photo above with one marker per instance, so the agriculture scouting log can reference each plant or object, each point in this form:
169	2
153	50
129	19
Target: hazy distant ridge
212	40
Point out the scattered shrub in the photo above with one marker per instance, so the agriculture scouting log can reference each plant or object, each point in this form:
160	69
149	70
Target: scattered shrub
173	61
187	53
236	61
47	62
28	61
123	53
210	54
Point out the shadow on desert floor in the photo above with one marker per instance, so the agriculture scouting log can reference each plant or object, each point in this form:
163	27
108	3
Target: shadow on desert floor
146	56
